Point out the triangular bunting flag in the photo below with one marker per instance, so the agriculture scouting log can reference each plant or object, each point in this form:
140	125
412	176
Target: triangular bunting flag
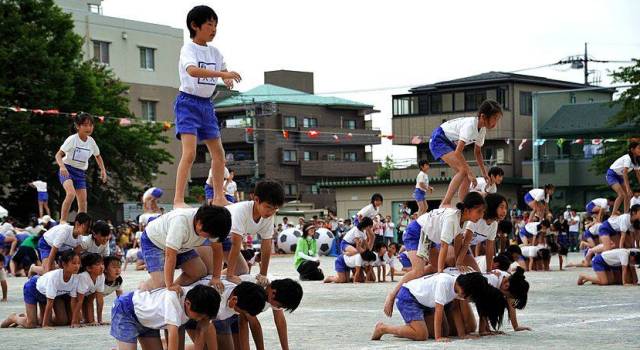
349	135
611	140
578	141
559	142
313	133
390	137
507	141
521	146
335	137
124	122
249	130
285	134
166	126
596	141
101	119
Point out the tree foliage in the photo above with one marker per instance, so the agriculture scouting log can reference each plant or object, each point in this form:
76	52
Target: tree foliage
384	170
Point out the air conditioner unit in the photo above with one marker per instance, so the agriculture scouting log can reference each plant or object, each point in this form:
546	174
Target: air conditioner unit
500	155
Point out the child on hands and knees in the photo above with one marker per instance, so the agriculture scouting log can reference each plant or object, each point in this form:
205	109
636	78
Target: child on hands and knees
199	69
61	238
448	141
90	288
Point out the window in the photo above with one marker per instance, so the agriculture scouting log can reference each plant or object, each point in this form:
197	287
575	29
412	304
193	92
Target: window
350	124
95	8
238	121
313	189
458	102
526	107
350	156
147	59
290	122
405	105
289	156
488	153
201	154
290	189
310	123
423	104
310	155
331	156
572	97
436	104
101	51
473	99
447	103
502	97
148	110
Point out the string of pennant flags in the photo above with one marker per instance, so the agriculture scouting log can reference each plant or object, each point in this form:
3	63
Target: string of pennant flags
311	133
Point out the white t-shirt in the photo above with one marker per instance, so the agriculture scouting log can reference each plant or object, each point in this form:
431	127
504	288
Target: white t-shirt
616	257
621	223
602	203
224	312
594	228
86	285
144	218
52	284
532	228
78	152
538	195
494	280
88	244
482	231
61	237
115	285
389	228
354	233
175	230
207	57
6	228
623	162
634	201
369	211
482	186
442	224
353	260
422	178
242	222
41	186
530	251
464	129
160	307
231	188
210	177
433	289
575	227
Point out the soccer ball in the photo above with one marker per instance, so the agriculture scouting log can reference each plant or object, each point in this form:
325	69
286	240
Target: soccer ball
287	240
324	240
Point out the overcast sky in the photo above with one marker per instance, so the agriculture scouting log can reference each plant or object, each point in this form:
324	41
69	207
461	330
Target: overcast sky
360	45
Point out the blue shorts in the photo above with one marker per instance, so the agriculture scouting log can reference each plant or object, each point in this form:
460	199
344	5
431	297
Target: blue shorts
598	264
524	234
44	248
43	196
606	230
439	144
404	260
528	198
419	195
154	256
227	326
340	265
226	244
587	234
196	116
230	198
125	326
410	309
590	206
343	245
32	295
208	191
76	175
411	236
613	178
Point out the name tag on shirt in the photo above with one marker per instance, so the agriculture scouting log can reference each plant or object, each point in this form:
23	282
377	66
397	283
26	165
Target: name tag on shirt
81	155
207	66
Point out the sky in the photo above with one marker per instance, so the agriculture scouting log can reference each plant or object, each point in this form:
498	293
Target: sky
384	47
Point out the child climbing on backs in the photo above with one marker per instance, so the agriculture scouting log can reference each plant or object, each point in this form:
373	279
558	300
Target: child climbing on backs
422	187
449	140
618	176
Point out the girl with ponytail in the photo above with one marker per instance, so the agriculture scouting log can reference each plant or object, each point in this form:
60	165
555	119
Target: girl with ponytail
515	288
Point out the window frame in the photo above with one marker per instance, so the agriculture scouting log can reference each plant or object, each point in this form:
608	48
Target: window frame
144	58
101	50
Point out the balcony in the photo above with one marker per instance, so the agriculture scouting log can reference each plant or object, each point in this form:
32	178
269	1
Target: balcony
241	168
330	168
565	172
359	136
233	135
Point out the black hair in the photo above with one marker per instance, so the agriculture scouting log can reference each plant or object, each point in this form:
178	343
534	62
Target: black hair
306	227
557	226
364	223
422	162
376	196
633	144
288	293
394	244
251	297
493	201
215	220
634	209
496	171
82	118
549	187
270	192
90	259
204	300
490	302
101	228
109	259
543	223
368	255
489	108
198	16
505	226
518	288
514	249
504	261
378	245
544	254
635	255
67	256
82	218
470	201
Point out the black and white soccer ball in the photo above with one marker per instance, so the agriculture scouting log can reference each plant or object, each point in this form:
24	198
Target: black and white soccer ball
324	240
287	240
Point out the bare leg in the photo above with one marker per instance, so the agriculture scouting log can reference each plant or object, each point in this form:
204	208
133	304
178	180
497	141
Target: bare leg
81	196
619	198
68	200
46	208
40	208
456	164
415	330
217	164
600	279
189	142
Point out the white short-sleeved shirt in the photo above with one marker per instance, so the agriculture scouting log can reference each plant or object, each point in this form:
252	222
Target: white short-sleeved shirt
620	223
61	237
242	222
210	176
78	152
52	284
602	203
482	186
40	186
594	228
86	285
464	129
575	227
441	225
422	178
369	211
207	57
482	231
175	230
616	257
231	188
352	234
160	307
494	280
532	228
115	285
623	162
634	201
538	195
88	244
433	289
389	228
145	217
530	251
225	311
6	228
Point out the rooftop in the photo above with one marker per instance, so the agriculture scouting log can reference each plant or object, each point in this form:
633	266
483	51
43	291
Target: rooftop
584	119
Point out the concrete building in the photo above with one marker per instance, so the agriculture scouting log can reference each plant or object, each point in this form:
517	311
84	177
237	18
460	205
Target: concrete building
300	138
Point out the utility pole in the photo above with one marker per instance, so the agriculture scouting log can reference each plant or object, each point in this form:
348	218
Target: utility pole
586	61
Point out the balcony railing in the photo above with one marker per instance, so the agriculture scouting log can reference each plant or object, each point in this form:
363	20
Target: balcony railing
330	168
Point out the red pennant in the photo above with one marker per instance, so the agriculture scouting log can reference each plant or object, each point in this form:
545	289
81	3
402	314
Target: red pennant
166	126
596	141
52	111
349	135
285	134
578	141
390	137
124	122
100	118
73	114
17	109
249	130
335	137
313	133
37	111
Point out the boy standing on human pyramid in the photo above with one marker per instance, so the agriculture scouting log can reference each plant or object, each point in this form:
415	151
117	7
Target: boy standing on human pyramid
199	68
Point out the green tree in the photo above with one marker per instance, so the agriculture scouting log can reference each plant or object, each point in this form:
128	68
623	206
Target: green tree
42	67
384	170
630	113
